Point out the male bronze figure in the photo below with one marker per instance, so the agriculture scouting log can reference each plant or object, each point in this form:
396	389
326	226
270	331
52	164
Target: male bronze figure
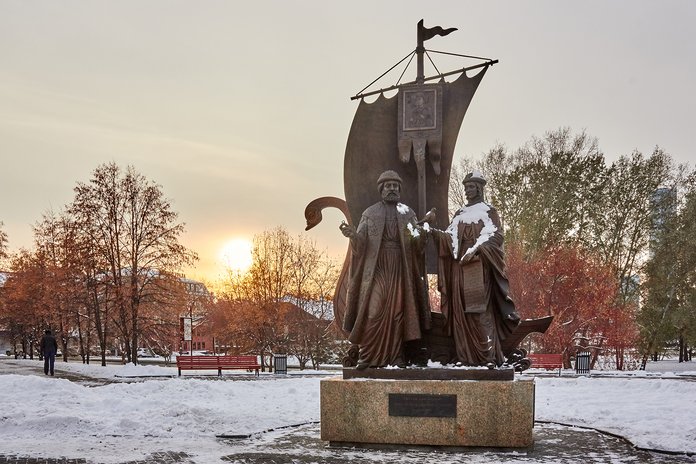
473	285
387	302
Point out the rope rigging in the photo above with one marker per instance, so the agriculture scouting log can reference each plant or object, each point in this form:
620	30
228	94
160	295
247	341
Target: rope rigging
360	94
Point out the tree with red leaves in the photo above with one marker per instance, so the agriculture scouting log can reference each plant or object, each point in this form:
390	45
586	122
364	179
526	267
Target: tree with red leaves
579	291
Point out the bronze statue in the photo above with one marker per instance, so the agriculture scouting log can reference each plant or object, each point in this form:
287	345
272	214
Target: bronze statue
387	302
418	129
478	312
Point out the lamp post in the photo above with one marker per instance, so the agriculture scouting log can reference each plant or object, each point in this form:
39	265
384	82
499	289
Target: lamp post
191	319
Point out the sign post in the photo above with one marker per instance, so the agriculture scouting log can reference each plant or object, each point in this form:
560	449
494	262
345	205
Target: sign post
185	324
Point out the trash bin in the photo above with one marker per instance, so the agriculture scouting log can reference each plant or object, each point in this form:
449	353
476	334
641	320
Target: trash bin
582	362
280	363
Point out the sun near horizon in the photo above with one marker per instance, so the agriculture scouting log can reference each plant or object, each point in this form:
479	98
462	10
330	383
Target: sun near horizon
235	255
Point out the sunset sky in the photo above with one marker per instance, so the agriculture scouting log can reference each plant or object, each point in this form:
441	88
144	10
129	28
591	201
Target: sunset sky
241	109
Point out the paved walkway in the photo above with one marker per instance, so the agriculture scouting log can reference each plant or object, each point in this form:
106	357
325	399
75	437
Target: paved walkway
157	458
10	366
553	444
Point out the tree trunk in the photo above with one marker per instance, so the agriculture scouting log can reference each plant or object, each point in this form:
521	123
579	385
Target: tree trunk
134	306
594	354
566	360
80	338
619	359
63	341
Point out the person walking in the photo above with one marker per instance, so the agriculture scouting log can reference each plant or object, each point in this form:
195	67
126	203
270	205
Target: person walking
49	347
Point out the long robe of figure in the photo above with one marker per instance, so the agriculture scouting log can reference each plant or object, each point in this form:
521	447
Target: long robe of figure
387	302
478	329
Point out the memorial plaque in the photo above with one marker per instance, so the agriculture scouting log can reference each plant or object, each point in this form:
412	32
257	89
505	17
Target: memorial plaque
420	405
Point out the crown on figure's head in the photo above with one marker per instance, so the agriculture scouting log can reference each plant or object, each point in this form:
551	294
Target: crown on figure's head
475	176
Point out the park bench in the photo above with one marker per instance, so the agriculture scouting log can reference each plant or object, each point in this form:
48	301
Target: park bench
219	363
547	361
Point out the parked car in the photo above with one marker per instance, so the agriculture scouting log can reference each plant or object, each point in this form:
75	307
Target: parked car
145	353
96	351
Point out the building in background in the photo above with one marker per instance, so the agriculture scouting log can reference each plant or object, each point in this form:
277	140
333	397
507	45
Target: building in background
663	203
200	327
6	347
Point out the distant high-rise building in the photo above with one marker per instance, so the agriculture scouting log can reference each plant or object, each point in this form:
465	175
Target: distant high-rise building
663	203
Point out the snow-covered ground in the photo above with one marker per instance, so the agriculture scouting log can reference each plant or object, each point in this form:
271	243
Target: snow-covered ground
145	409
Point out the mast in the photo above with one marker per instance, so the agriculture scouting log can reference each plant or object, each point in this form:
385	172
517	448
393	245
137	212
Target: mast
419	151
420	51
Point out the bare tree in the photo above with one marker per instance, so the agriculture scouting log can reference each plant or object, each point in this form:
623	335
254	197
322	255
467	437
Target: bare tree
3	244
54	237
456	187
159	317
97	208
135	233
25	312
283	302
314	279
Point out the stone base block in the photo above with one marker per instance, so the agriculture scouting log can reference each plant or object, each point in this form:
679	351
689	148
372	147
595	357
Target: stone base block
428	412
429	373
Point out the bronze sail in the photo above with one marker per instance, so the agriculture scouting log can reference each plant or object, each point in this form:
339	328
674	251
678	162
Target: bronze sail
373	147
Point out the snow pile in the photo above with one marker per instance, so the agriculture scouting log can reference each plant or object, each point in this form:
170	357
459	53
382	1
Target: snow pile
650	413
113	423
172	408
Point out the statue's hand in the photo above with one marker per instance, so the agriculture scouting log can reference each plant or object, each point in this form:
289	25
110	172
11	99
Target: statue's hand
429	217
468	258
347	230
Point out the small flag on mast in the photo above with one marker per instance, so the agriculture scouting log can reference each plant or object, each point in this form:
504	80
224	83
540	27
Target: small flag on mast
430	32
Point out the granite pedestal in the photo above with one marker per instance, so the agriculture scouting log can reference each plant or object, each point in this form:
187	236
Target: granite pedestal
477	413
